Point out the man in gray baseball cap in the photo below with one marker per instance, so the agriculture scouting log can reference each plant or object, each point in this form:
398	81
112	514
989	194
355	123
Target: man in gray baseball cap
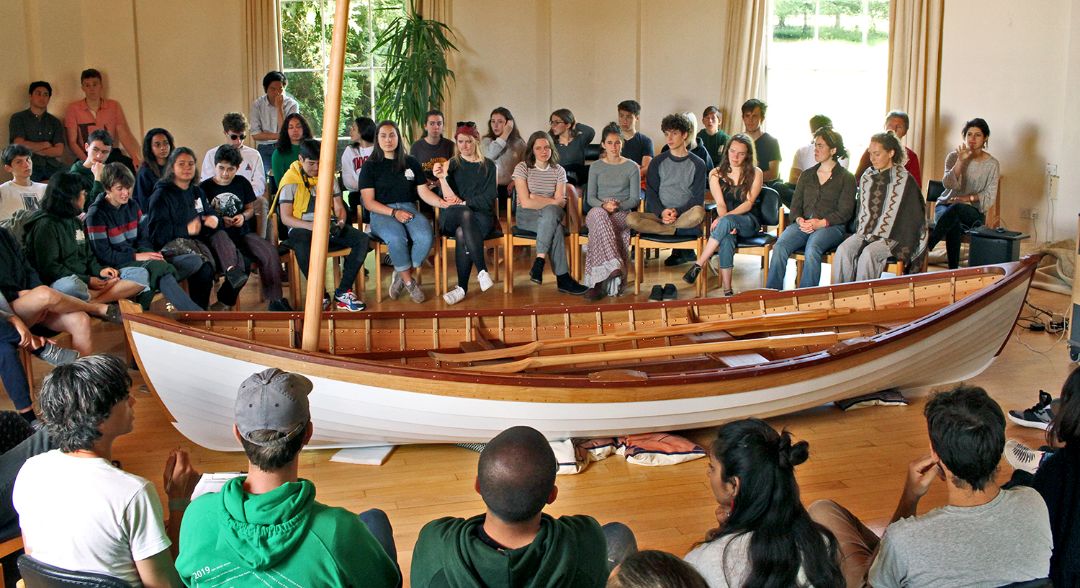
267	524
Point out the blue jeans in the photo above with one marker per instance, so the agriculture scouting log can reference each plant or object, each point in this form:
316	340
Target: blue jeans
814	246
744	225
76	288
267	152
379	525
11	370
397	236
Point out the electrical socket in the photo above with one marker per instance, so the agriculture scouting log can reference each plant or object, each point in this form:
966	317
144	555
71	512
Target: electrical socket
1025	213
1051	169
1034	214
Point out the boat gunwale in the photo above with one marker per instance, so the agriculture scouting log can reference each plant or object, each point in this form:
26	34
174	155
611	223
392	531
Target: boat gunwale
1011	273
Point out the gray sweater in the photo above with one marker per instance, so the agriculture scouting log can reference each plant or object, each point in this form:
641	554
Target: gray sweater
621	181
980	177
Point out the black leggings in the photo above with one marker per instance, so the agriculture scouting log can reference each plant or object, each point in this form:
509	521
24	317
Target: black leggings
952	225
468	227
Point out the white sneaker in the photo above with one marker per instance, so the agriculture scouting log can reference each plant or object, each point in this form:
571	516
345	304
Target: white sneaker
454	296
1022	457
485	281
396	286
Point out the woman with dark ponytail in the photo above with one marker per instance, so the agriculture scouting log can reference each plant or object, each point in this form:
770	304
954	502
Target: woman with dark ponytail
763	523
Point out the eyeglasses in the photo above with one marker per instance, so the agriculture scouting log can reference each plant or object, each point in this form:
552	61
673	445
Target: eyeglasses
467	124
556	122
236	137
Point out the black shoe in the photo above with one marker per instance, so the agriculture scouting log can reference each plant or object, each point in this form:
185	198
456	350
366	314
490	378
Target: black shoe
568	285
657	293
1036	417
595	293
691	274
678	257
112	314
281	305
236	278
536	274
670	293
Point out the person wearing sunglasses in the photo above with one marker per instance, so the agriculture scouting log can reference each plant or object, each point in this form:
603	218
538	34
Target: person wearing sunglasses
235	128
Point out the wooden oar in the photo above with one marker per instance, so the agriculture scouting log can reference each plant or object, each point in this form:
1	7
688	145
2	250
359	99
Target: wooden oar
778	341
861	317
783	319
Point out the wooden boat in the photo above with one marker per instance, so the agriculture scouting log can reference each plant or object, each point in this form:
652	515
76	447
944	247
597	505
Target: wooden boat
453	376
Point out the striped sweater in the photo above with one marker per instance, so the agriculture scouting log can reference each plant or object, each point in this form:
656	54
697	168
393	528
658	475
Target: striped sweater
116	233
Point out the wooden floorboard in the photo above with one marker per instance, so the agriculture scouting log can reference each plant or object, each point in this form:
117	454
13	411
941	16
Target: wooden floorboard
858	458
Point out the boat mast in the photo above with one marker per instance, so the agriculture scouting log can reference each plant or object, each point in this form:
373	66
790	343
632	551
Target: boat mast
324	196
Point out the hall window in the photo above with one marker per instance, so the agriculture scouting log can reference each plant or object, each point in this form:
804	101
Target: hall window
827	57
307	28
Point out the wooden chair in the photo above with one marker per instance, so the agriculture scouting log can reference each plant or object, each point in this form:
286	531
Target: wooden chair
495	240
640	242
519	237
380	248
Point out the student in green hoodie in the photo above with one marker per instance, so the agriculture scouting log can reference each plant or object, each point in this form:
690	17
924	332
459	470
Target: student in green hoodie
57	247
514	544
266	528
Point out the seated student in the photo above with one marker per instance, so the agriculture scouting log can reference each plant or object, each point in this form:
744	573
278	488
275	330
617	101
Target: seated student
766	146
571	138
635	146
232	197
80	512
433	145
735	185
15	334
268	112
157	147
57	247
898	123
362	134
655	569
1056	479
296	197
674	188
178	220
19	193
391	182
984	536
514	543
752	475
804	156
22	292
99	145
40	132
892	217
710	134
294	131
235	128
971	184
468	185
250	532
117	230
95	112
823	204
540	189
613	193
692	144
503	145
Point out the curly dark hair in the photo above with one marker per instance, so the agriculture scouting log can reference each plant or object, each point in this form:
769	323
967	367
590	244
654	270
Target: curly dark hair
76	398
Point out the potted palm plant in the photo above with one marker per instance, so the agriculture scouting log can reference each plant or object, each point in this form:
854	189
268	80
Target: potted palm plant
417	73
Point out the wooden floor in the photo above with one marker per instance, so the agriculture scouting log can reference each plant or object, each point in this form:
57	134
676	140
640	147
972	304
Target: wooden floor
858	458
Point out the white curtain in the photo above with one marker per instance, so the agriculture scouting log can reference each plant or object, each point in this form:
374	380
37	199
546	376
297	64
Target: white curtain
442	11
744	57
915	28
262	41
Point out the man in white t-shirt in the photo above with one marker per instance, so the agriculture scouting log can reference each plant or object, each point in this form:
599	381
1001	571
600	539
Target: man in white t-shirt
804	156
19	193
77	510
235	128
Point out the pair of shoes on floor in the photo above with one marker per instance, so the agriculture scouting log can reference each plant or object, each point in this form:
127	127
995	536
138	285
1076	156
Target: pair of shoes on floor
279	305
1038	416
56	355
1021	457
348	301
665	293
